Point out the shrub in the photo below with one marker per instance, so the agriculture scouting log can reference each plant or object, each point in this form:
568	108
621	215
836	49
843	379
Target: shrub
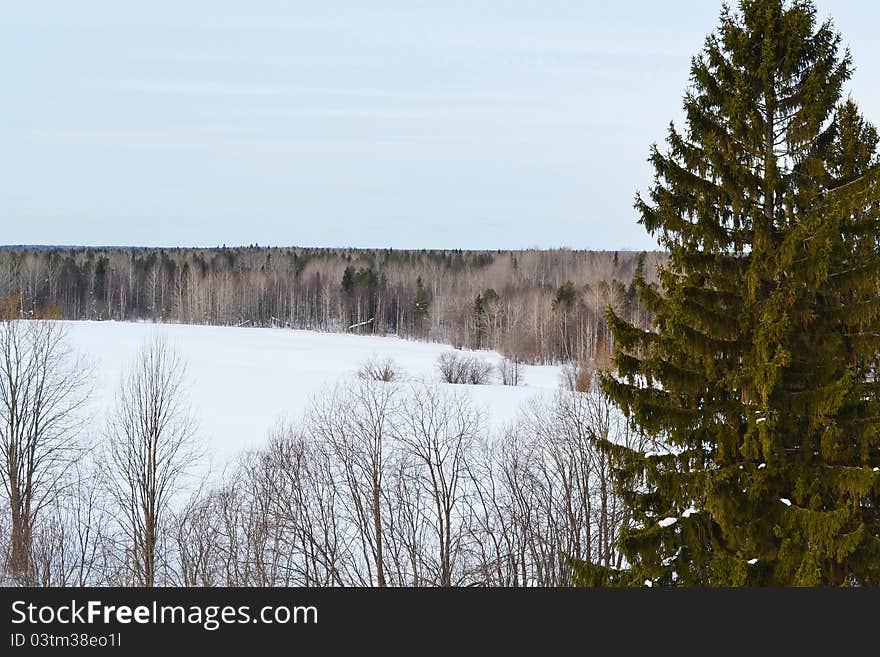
479	372
579	376
452	367
459	369
374	369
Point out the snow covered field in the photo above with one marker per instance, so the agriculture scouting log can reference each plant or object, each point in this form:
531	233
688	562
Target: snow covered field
243	380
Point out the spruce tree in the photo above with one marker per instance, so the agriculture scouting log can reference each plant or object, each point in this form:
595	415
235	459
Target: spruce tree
758	379
478	315
421	304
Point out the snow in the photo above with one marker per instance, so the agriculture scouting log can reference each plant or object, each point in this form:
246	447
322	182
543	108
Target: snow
649	583
752	562
359	324
689	512
785	501
243	380
762	466
760	420
668	522
669	560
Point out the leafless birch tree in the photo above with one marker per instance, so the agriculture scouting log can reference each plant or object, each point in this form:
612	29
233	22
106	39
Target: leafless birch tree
151	447
439	429
355	423
43	392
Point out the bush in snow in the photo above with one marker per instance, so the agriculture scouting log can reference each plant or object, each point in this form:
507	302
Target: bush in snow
458	368
479	371
579	376
374	369
453	367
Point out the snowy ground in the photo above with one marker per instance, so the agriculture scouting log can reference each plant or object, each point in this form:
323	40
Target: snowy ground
243	380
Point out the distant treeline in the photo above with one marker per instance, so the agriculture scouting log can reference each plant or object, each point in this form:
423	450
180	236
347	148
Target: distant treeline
535	305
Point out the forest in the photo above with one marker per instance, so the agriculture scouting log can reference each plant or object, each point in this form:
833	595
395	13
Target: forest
538	306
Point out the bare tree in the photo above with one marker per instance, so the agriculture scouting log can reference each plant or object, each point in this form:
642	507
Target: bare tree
43	391
439	429
303	504
198	538
609	425
354	423
409	526
542	491
150	447
511	371
73	542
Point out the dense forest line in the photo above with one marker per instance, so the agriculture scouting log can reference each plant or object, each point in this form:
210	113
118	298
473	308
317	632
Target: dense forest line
537	306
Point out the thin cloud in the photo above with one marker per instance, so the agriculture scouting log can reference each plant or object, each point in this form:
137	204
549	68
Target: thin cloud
229	143
192	88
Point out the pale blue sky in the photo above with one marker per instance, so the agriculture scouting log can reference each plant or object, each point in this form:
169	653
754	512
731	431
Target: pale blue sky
382	124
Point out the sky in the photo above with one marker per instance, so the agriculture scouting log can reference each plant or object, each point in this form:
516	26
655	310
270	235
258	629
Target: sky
454	124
